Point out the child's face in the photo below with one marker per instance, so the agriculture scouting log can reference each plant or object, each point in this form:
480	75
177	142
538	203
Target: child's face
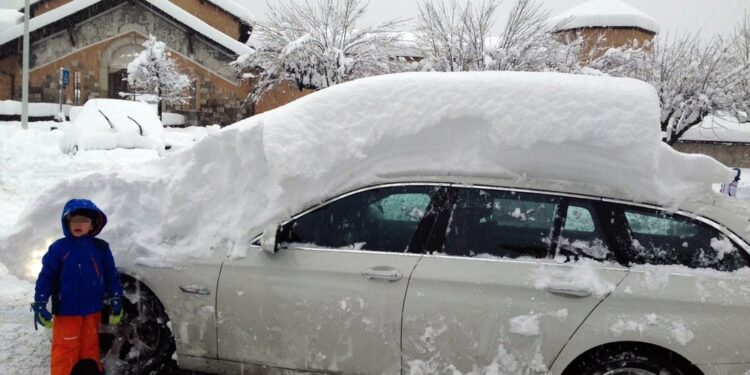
79	225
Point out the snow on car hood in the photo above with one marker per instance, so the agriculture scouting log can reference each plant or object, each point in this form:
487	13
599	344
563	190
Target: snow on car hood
218	194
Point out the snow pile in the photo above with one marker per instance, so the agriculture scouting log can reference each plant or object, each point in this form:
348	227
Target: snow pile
170	119
718	129
605	13
594	130
105	124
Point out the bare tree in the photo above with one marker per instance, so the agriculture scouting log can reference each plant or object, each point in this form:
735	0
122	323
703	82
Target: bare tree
453	38
528	43
741	53
317	44
457	38
693	78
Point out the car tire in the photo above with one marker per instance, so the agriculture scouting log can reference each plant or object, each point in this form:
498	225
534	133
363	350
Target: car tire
629	359
143	342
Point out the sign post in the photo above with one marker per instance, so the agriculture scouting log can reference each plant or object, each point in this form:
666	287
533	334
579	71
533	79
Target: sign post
64	80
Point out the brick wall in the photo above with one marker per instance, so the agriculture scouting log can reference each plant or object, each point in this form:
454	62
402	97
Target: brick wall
731	154
212	15
45	6
10	65
614	37
280	95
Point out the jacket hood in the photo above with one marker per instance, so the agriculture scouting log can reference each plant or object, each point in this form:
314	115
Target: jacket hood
84	207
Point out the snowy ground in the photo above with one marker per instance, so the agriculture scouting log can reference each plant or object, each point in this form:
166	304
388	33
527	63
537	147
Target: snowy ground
32	162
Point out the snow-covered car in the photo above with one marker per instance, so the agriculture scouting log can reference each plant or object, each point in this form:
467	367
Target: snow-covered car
467	223
105	124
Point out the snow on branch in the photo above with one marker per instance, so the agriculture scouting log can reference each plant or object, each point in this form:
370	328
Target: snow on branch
455	37
317	44
693	78
154	72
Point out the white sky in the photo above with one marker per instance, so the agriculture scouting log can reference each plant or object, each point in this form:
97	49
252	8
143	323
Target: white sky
674	16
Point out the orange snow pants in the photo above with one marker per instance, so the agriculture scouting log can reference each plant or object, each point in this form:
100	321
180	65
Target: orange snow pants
74	338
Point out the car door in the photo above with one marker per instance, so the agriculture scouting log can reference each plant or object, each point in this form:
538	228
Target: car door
687	290
491	298
331	298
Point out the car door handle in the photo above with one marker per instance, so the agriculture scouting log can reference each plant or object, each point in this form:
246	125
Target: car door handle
568	291
195	289
382	273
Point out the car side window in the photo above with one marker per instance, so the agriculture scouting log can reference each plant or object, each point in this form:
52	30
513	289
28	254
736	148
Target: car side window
582	234
500	223
663	238
381	219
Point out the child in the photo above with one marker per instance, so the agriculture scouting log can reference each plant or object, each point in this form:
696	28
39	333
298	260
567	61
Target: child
78	272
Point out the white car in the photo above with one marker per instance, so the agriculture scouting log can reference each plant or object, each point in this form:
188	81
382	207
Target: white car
475	225
524	276
105	124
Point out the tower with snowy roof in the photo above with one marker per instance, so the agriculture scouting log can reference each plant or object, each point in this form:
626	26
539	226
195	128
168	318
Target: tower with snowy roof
603	24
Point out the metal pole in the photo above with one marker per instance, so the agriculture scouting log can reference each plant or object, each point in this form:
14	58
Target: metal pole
60	93
25	69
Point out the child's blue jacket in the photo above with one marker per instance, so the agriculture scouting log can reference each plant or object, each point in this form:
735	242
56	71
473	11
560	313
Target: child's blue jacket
78	273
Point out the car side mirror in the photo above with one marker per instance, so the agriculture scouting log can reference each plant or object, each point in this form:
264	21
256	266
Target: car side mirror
269	239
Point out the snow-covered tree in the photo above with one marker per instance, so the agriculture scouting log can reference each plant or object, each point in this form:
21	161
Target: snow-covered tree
741	53
456	37
317	44
155	73
693	78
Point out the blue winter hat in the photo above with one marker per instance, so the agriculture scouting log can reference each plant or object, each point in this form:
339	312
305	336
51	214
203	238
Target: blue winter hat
87	208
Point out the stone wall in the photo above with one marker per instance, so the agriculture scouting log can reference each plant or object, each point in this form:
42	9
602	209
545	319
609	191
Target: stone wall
731	154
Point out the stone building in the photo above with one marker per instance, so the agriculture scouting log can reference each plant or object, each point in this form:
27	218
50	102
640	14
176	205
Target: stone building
603	24
96	39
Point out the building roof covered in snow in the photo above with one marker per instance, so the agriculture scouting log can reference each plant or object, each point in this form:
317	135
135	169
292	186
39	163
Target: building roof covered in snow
9	17
718	129
16	31
604	13
230	6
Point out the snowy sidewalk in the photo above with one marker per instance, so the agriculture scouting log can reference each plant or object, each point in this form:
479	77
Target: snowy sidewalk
22	349
31	163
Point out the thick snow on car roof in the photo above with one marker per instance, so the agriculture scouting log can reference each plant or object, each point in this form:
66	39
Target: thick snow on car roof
105	124
217	195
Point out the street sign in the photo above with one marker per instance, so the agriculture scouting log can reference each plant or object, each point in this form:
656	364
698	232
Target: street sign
64	77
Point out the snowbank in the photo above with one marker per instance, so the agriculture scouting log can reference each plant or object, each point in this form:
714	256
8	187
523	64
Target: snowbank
13	108
105	124
171	119
718	129
605	13
218	194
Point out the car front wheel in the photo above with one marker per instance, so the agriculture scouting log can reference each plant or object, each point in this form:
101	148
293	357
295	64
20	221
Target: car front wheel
631	360
142	343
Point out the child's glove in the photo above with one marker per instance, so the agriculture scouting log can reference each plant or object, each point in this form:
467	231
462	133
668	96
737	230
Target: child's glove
41	315
116	316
